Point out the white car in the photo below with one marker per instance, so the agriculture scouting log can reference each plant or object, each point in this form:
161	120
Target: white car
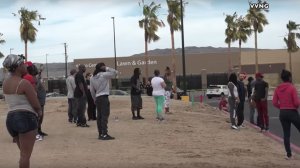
216	91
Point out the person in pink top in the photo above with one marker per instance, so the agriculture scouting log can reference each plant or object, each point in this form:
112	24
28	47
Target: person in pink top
286	99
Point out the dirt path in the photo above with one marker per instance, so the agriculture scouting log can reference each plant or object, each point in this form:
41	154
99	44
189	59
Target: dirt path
191	137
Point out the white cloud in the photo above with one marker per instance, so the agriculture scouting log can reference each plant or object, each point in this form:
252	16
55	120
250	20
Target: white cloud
86	26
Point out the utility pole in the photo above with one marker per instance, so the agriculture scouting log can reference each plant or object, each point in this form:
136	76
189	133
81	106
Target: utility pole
183	52
47	65
10	50
66	60
115	52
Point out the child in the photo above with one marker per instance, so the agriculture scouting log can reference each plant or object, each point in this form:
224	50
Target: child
223	103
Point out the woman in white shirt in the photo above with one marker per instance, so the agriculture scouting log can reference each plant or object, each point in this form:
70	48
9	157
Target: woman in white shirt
158	85
233	99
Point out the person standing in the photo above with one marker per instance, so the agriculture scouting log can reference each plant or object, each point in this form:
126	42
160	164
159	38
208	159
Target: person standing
158	85
23	107
41	94
91	110
233	99
168	89
99	88
261	100
72	104
242	97
80	95
250	86
286	99
31	77
135	95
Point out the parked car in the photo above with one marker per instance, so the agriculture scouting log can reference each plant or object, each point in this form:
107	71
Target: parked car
216	91
118	92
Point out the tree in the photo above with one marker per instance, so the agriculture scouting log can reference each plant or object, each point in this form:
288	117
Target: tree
291	40
243	31
1	42
230	33
174	20
150	23
258	20
27	29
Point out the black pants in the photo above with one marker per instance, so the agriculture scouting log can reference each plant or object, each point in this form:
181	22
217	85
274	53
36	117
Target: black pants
103	111
41	121
288	116
91	109
240	113
81	107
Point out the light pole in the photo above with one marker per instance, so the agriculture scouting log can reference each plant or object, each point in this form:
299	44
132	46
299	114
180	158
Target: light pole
10	50
115	52
47	65
183	51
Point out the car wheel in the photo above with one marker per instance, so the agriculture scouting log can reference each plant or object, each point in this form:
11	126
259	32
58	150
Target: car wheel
222	94
209	97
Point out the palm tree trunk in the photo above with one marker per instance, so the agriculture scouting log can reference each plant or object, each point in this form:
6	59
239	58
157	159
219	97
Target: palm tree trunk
256	55
173	65
146	60
25	50
229	59
240	56
290	61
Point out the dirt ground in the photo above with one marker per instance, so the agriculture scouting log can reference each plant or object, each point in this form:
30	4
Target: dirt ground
194	136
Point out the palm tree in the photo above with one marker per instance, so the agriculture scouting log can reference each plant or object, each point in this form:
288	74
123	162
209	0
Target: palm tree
230	33
291	40
150	24
1	42
257	19
174	20
27	29
243	31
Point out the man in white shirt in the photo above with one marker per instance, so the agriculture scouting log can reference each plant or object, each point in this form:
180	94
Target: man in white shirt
72	114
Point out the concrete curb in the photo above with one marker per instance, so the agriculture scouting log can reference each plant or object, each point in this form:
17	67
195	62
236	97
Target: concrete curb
278	139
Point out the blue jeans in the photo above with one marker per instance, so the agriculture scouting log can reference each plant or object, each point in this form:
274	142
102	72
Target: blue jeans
21	122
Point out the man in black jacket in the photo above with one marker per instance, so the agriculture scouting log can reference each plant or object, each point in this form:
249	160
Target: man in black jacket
80	95
242	96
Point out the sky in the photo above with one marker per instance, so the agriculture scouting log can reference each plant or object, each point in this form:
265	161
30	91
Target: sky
87	27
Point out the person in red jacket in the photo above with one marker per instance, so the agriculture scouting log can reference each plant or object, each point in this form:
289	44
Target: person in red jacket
286	99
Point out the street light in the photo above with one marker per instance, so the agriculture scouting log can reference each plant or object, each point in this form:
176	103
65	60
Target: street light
115	52
47	65
10	50
183	52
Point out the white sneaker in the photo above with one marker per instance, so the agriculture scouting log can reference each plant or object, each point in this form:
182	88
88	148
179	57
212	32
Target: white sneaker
234	127
38	137
242	126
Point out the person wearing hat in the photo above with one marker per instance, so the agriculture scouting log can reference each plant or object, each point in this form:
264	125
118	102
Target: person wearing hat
260	97
23	107
31	76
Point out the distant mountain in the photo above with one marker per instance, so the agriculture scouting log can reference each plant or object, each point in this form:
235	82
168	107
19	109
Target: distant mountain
192	50
57	70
